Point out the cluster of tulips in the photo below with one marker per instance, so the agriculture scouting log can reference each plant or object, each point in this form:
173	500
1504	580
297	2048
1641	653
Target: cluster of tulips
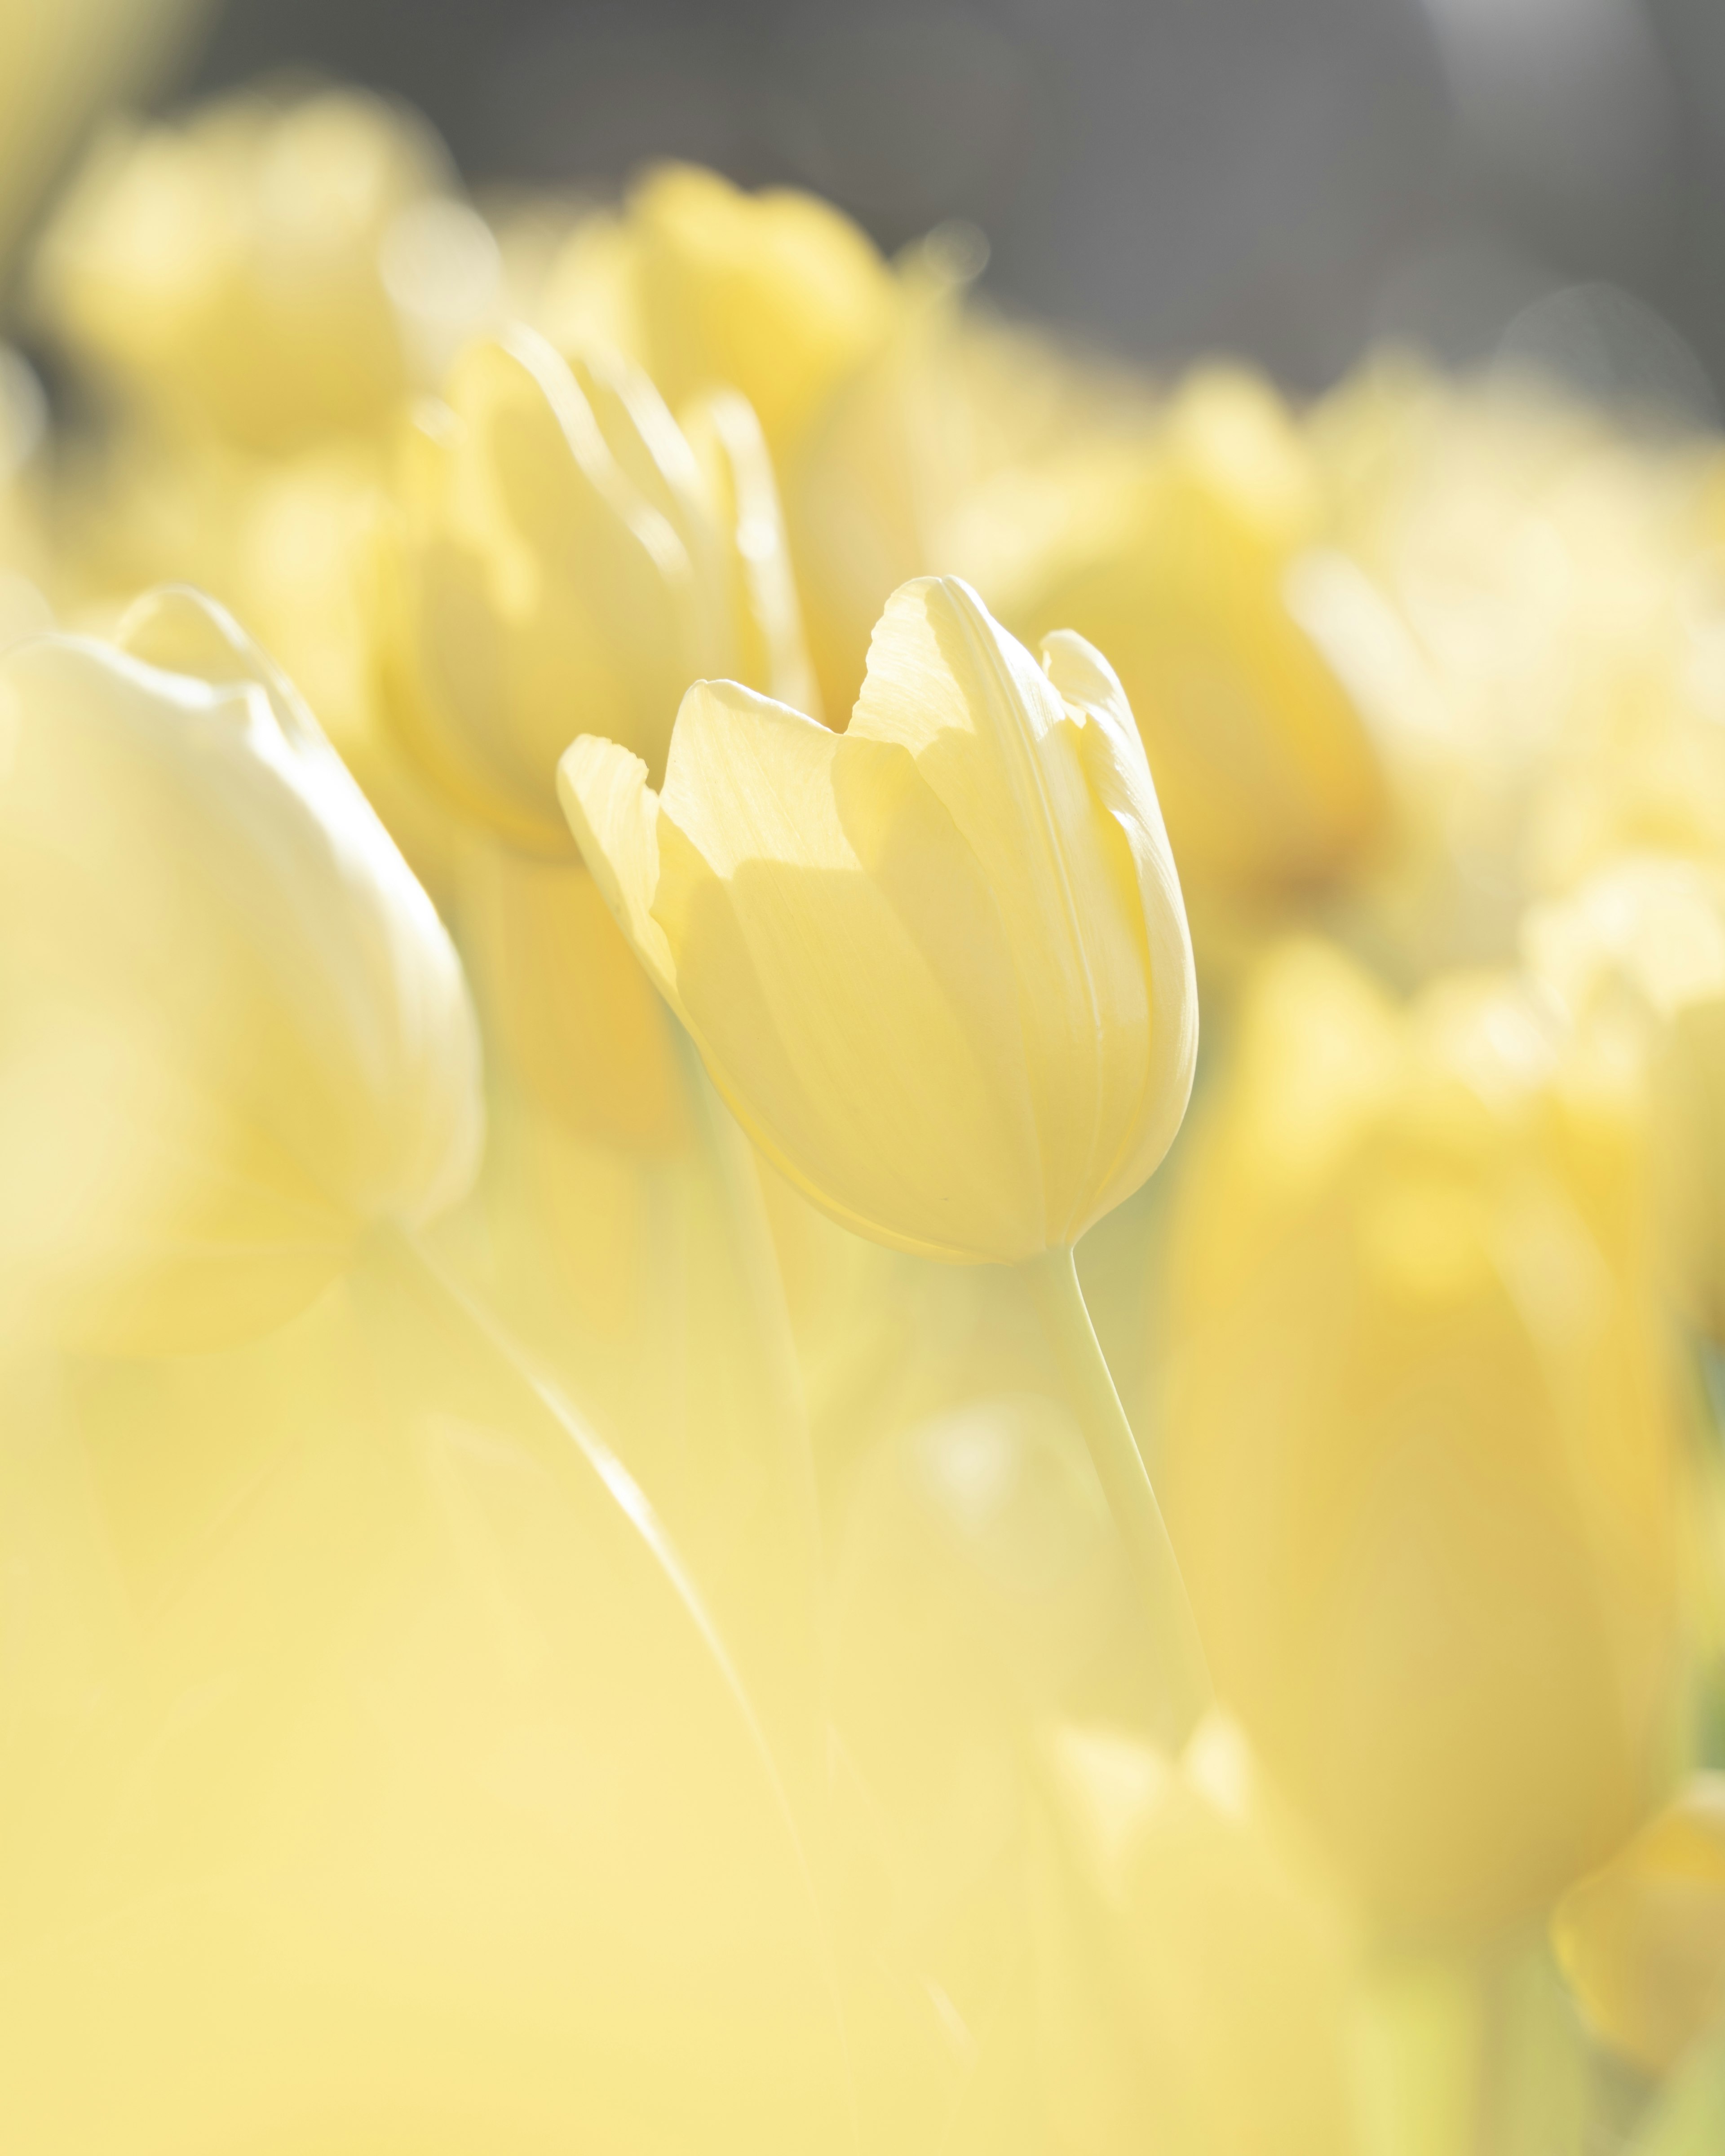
613	819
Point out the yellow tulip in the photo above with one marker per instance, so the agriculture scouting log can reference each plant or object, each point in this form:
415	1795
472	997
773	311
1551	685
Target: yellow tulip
288	545
1638	951
1642	1940
1193	1970
237	1035
272	272
1270	778
963	443
566	558
1417	1452
776	294
937	965
58	66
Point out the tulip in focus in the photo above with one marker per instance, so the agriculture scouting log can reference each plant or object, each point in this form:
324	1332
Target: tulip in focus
1642	1940
271	272
1418	1449
938	965
237	1035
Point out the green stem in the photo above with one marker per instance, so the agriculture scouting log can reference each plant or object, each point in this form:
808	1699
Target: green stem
1053	1279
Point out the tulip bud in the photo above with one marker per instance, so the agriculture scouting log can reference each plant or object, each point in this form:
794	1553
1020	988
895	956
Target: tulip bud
1418	1457
937	965
564	557
1268	778
1194	1964
269	272
236	1033
1638	952
1642	1940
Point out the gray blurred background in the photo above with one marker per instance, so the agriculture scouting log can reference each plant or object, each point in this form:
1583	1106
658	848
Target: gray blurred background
1290	179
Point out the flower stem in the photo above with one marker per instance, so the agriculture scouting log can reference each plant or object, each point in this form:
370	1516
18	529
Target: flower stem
1053	1279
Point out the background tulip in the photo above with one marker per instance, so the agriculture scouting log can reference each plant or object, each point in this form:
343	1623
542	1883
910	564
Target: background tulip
565	557
776	294
237	1035
1417	1442
1638	953
58	68
275	269
1193	1982
1269	775
1642	1940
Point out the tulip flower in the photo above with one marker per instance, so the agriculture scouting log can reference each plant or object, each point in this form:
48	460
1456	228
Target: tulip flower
564	557
937	965
1194	1962
776	294
237	1035
59	66
1638	951
271	272
1642	1940
1419	1448
1270	778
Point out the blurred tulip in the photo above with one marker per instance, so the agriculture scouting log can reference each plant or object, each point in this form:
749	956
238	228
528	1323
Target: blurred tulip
1419	1456
237	1035
1194	1972
273	271
1513	586
58	66
938	965
565	558
962	443
776	294
288	545
1639	952
1642	1940
1269	777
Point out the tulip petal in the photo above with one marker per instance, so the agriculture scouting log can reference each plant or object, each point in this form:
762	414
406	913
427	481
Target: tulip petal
845	968
992	738
614	814
1112	751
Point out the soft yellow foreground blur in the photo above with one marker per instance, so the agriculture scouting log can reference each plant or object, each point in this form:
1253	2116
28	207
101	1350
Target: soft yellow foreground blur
937	965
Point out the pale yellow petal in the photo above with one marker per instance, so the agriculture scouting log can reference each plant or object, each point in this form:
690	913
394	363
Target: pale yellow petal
991	737
842	963
1112	752
614	814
